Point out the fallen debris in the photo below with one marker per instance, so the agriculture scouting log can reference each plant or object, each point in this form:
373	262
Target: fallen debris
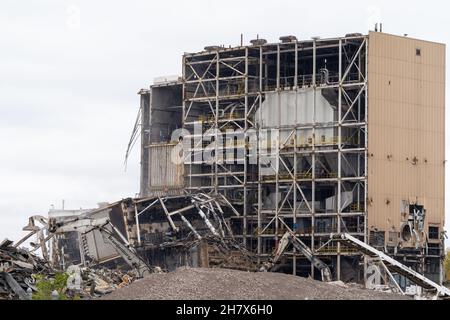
223	284
176	231
17	267
21	272
225	253
93	283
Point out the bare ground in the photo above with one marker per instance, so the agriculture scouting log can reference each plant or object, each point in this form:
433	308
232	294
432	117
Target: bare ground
224	284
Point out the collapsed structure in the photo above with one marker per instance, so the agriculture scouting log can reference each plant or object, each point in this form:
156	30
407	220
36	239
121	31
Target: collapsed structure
333	145
326	136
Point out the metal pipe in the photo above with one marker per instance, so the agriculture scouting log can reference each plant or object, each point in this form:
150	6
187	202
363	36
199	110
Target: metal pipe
138	231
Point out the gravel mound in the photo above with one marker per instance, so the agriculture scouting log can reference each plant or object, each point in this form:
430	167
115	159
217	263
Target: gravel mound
224	284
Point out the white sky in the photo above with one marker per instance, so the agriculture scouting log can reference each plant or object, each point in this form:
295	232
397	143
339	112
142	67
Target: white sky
70	71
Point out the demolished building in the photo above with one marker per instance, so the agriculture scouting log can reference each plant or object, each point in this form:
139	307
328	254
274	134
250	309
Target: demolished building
168	232
336	143
327	136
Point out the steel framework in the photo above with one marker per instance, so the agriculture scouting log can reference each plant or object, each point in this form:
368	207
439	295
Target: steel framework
224	90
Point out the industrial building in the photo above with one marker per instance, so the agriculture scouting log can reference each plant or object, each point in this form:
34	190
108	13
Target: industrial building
316	137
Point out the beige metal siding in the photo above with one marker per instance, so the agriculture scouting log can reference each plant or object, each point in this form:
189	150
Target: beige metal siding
165	175
406	120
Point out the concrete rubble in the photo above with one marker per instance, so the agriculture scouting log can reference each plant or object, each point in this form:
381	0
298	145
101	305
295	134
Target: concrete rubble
146	245
101	281
225	284
17	267
20	268
226	253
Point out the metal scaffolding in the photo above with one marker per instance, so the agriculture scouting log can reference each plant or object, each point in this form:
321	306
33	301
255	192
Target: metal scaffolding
300	164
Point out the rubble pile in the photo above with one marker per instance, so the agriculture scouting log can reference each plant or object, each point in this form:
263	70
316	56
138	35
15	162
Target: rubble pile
223	284
196	235
228	254
17	267
20	271
100	281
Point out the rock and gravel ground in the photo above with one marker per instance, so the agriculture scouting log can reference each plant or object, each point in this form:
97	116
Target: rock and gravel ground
224	284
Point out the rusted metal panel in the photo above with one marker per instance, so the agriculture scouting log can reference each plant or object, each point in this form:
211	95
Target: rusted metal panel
406	129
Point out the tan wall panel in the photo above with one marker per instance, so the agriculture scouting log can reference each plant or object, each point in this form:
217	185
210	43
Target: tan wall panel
406	121
165	174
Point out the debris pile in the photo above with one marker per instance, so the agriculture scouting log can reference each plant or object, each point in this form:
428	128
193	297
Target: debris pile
90	283
176	231
17	267
21	271
226	253
223	284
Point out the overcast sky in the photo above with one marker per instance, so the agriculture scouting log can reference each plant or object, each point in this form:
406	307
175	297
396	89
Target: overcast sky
70	72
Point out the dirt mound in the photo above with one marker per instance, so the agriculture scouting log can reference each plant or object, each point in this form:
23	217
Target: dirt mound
223	284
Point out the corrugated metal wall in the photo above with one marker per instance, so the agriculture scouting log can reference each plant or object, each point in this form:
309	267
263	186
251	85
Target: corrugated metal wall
406	123
165	175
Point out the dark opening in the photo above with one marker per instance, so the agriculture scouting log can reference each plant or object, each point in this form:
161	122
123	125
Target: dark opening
418	52
406	233
377	238
433	232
